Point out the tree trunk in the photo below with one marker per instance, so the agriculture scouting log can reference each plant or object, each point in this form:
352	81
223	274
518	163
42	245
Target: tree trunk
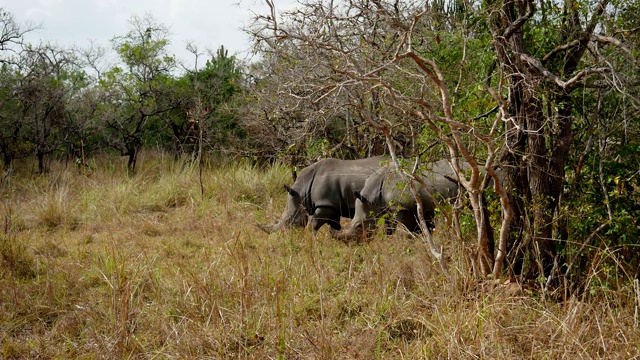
542	203
531	182
7	156
487	231
132	154
41	163
517	192
486	244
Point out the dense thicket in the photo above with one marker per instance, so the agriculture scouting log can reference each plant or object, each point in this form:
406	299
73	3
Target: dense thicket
541	97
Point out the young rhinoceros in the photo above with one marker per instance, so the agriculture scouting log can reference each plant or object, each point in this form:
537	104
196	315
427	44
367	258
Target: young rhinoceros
325	190
386	192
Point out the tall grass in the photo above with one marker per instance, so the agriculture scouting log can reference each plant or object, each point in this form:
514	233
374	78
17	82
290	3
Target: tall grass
117	265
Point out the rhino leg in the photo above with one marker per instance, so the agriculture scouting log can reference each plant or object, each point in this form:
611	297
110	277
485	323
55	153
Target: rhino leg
409	220
429	215
326	215
389	226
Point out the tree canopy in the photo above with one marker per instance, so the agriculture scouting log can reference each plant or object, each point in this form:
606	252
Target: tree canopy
65	103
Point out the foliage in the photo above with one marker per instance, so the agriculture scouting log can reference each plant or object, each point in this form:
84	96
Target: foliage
216	87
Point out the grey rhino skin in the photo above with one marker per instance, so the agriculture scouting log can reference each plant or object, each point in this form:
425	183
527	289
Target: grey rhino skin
386	192
325	190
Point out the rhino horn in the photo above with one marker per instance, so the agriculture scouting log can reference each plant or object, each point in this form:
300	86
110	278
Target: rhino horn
348	233
269	228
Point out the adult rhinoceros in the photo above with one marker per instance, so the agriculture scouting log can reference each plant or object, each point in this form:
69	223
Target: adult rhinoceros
387	192
326	191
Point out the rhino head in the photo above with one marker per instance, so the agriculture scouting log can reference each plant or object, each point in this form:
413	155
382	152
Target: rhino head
294	213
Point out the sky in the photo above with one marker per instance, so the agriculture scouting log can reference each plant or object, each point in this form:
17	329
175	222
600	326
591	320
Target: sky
206	24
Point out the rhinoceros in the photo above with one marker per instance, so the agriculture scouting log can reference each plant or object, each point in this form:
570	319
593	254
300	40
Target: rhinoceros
326	191
387	192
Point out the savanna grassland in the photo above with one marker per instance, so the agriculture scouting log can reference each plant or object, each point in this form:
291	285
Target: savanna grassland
100	264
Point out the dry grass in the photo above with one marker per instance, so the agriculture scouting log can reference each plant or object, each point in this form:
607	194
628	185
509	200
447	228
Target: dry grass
145	266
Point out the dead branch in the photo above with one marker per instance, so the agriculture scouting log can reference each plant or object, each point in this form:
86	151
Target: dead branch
568	85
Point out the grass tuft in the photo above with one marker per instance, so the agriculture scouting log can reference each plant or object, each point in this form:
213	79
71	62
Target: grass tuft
56	208
16	259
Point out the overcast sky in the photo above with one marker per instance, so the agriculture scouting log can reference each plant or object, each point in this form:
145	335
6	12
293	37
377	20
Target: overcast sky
207	24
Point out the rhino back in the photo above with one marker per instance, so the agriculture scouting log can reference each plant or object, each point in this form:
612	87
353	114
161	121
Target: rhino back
335	181
331	182
387	188
397	193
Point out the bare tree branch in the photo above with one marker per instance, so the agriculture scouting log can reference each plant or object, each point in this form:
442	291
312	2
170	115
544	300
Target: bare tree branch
606	40
517	25
568	85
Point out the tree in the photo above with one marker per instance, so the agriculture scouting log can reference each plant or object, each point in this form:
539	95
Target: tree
545	81
48	79
11	40
83	124
309	105
11	34
218	83
10	119
135	89
208	94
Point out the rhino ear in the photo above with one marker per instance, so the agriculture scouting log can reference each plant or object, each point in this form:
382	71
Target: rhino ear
359	196
291	191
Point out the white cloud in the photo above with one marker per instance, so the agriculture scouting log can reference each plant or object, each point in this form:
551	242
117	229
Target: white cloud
176	8
205	23
36	13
